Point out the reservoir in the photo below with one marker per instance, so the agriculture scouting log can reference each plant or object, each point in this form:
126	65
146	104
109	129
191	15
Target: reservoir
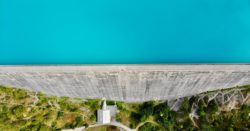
124	32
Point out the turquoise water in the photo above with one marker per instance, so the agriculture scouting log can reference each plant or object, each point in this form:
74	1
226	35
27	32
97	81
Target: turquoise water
124	31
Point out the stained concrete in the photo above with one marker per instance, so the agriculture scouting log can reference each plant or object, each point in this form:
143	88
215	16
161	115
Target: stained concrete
132	83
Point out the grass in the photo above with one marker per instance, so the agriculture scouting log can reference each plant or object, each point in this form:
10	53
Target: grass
126	110
24	110
21	110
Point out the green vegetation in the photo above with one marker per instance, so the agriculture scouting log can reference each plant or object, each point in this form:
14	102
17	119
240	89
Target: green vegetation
215	110
218	110
150	127
23	110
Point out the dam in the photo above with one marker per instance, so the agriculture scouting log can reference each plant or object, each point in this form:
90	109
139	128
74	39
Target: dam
130	83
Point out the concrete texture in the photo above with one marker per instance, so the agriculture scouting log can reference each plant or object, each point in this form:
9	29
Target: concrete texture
132	83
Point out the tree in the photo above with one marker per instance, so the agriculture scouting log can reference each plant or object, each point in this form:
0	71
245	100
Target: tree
165	116
149	127
147	109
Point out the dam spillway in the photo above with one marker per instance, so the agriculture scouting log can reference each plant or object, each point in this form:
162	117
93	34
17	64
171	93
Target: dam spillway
131	83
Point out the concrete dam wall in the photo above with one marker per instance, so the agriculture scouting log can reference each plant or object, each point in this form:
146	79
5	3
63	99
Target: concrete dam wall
132	83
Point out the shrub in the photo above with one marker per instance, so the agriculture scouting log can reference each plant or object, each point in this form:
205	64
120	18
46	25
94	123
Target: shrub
121	106
165	116
94	104
79	121
19	94
135	119
185	106
18	110
212	107
146	110
118	118
109	102
149	127
60	114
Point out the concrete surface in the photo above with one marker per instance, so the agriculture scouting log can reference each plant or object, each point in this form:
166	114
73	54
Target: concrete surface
131	83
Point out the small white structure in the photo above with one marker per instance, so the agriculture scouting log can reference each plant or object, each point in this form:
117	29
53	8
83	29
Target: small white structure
113	111
103	115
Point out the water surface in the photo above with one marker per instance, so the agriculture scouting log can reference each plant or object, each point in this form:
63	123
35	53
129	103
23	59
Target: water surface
124	31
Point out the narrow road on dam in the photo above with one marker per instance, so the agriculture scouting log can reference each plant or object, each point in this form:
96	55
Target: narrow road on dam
117	124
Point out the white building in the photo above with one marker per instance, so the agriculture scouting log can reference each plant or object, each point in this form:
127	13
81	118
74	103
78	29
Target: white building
113	111
103	115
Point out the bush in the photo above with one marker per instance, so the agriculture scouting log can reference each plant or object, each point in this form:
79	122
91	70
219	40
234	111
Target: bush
146	110
212	107
19	94
118	118
149	127
135	119
121	106
44	128
60	114
109	102
94	104
185	106
79	121
18	111
165	116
